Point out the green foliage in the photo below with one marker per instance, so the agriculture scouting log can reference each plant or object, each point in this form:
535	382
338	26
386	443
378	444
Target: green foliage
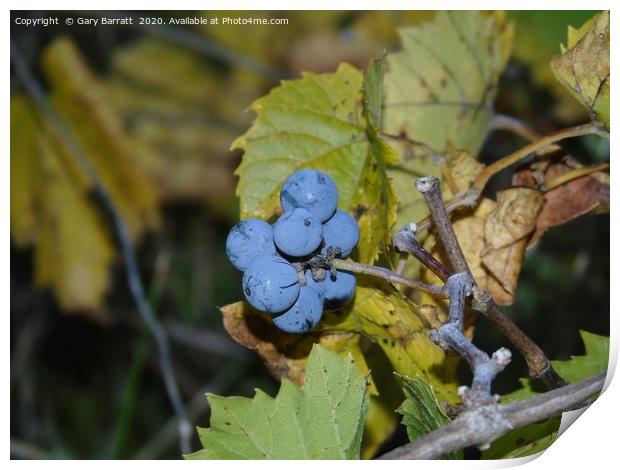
422	413
432	100
593	362
321	420
524	441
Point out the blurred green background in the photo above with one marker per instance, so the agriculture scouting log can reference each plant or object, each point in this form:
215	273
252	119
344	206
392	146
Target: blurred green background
85	381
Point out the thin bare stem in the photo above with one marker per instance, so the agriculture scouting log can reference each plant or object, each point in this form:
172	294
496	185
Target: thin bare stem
386	274
574	174
136	288
483	425
514	157
502	122
405	241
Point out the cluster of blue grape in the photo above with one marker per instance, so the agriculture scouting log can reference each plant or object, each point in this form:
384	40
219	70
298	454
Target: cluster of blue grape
273	258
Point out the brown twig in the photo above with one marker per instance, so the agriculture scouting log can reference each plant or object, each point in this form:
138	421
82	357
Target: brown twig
405	241
481	426
539	366
430	189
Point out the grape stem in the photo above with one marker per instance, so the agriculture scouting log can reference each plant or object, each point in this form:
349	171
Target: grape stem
331	262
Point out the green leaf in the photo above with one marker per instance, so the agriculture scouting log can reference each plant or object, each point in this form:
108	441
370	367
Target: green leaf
321	420
318	122
574	369
422	413
525	441
583	67
373	92
379	214
593	362
439	89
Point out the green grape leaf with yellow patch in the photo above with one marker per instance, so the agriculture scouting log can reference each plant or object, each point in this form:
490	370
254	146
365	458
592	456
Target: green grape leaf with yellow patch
438	98
318	122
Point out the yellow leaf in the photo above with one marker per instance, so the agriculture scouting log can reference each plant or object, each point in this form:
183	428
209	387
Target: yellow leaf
73	252
583	68
123	164
24	172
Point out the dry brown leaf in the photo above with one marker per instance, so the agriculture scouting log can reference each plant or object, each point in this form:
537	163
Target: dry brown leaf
506	230
470	232
568	201
493	239
514	217
463	170
505	265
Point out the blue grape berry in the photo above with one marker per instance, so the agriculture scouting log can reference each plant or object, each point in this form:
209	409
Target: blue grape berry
248	240
297	233
305	313
271	284
312	190
342	233
338	291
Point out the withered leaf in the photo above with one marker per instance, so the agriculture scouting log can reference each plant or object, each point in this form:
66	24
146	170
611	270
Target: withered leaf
567	201
513	218
505	234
